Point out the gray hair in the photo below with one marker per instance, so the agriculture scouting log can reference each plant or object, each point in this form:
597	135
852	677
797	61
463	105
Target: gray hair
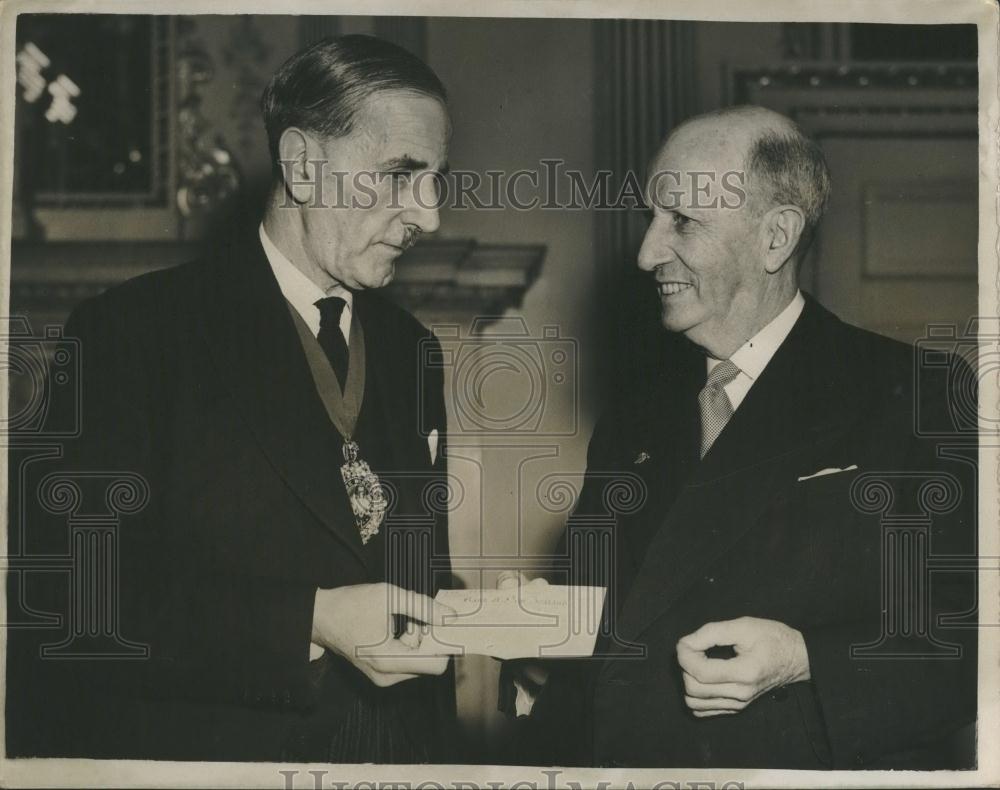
789	169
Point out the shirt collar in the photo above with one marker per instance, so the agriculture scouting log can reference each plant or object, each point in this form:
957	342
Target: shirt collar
301	292
752	357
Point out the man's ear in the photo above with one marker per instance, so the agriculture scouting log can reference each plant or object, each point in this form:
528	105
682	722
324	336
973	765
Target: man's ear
783	228
300	170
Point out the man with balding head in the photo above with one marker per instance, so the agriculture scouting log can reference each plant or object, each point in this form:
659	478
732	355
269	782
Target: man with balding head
747	626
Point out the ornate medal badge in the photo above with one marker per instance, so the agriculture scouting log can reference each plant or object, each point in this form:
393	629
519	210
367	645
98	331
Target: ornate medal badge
364	491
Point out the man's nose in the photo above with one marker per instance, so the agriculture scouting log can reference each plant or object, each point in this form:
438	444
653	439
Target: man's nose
655	249
428	218
423	210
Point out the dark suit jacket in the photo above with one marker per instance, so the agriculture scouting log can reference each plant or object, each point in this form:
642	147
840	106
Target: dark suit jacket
195	379
737	534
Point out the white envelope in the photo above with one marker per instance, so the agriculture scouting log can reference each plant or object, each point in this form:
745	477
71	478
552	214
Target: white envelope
537	621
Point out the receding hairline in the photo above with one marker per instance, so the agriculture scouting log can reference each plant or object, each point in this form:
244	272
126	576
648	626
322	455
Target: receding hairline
750	124
753	124
750	120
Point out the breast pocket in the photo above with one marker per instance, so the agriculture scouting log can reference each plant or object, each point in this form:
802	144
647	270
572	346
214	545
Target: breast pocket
834	485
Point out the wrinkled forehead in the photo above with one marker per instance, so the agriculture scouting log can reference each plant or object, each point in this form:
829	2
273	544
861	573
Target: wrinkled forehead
704	145
697	167
403	121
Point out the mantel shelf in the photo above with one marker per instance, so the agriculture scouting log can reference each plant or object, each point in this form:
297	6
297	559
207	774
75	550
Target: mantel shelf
437	277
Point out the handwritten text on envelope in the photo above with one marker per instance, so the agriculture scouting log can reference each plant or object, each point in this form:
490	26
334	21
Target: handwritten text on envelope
525	622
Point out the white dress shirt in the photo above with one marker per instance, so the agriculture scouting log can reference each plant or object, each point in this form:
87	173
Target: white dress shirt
301	292
752	357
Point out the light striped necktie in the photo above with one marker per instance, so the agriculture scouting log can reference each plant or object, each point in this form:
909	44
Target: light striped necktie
716	408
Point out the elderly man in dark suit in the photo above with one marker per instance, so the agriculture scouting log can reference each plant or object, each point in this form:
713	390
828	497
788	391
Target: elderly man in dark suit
750	626
275	407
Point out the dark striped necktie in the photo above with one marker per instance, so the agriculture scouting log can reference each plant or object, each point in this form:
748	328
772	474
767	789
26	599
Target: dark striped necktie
331	338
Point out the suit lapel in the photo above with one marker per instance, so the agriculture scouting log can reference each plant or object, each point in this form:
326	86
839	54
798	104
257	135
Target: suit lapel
253	341
664	453
379	363
788	407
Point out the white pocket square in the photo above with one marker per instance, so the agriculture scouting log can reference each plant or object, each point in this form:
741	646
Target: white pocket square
432	445
831	470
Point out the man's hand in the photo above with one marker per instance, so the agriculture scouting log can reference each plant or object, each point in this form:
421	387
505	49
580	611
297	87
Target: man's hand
769	655
507	580
356	622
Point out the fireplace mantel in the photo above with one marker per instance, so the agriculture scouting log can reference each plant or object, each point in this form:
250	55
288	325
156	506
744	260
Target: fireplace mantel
445	277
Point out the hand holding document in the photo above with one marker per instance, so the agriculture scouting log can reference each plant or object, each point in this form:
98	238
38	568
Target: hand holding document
351	622
532	621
